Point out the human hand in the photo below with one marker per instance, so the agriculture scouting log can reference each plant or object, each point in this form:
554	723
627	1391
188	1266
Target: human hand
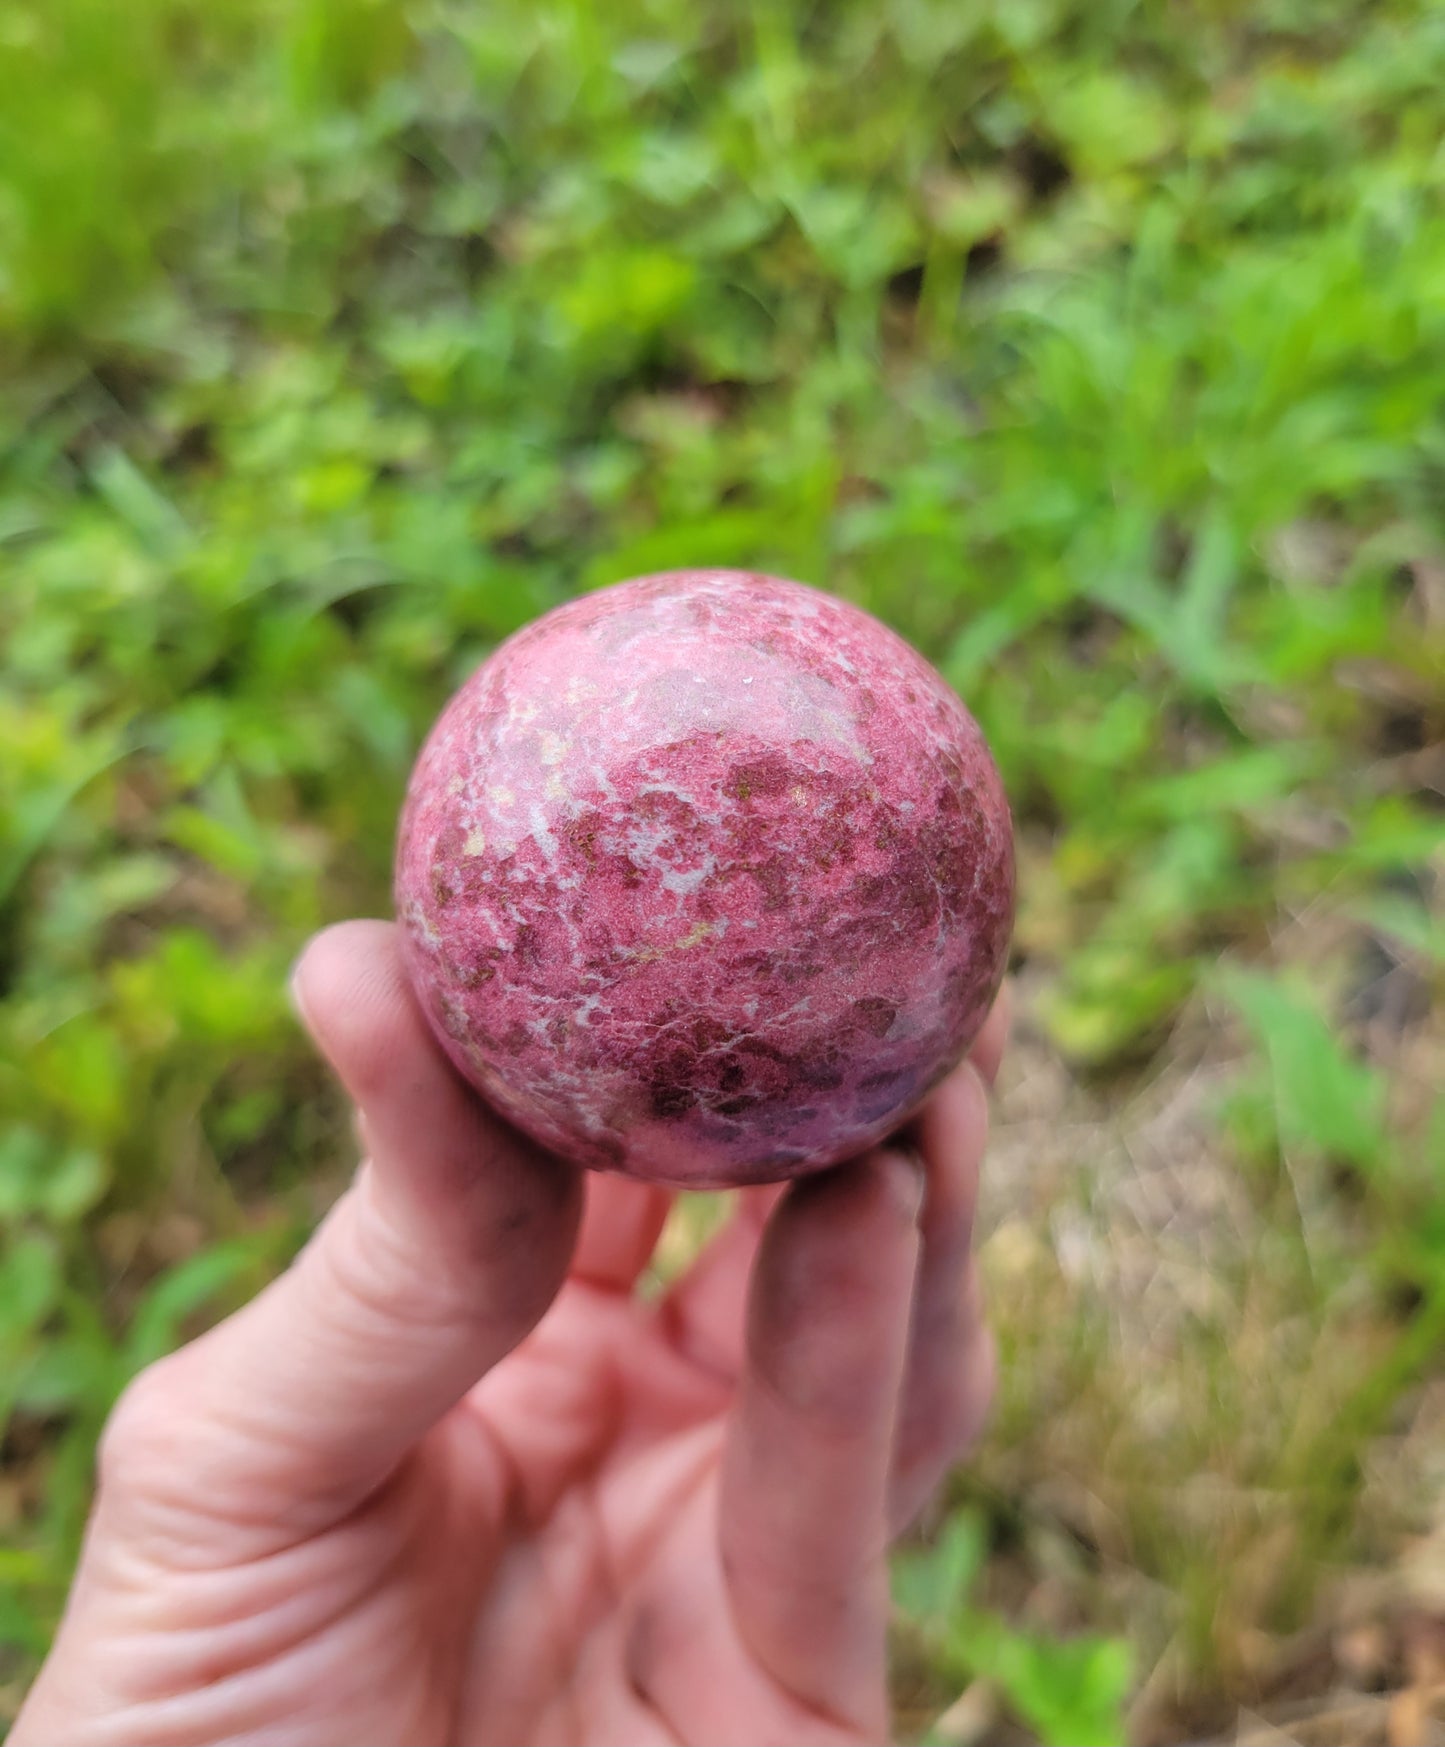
450	1479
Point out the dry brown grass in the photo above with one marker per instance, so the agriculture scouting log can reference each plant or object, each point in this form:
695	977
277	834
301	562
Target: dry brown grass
1190	1443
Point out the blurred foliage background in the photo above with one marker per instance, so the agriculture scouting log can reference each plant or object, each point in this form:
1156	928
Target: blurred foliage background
1098	345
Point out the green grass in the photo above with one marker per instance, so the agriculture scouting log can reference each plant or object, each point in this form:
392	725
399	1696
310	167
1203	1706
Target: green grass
1099	347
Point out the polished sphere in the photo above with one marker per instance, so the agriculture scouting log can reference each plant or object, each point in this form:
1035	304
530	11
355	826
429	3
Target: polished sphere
707	878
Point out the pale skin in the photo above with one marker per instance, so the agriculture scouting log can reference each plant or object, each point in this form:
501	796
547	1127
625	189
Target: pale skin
451	1479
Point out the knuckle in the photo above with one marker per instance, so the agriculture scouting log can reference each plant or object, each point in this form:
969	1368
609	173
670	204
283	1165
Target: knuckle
140	1435
478	1270
384	1277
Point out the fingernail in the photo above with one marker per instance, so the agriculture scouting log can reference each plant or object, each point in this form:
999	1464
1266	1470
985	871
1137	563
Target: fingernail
294	993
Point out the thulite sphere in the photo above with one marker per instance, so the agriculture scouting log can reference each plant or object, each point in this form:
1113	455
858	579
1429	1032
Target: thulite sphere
707	878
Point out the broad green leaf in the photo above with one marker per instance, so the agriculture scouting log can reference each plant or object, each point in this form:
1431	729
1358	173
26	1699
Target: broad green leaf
30	1285
1323	1097
932	1583
1403	920
182	1292
69	1372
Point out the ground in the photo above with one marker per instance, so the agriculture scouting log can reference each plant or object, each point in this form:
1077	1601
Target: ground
1096	347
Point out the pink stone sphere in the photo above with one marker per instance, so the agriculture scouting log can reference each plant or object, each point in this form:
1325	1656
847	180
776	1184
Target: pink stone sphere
707	878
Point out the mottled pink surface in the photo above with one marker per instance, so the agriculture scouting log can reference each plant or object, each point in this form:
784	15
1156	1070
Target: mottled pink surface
707	878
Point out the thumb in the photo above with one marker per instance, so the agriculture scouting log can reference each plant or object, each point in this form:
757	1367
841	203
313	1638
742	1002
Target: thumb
442	1256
